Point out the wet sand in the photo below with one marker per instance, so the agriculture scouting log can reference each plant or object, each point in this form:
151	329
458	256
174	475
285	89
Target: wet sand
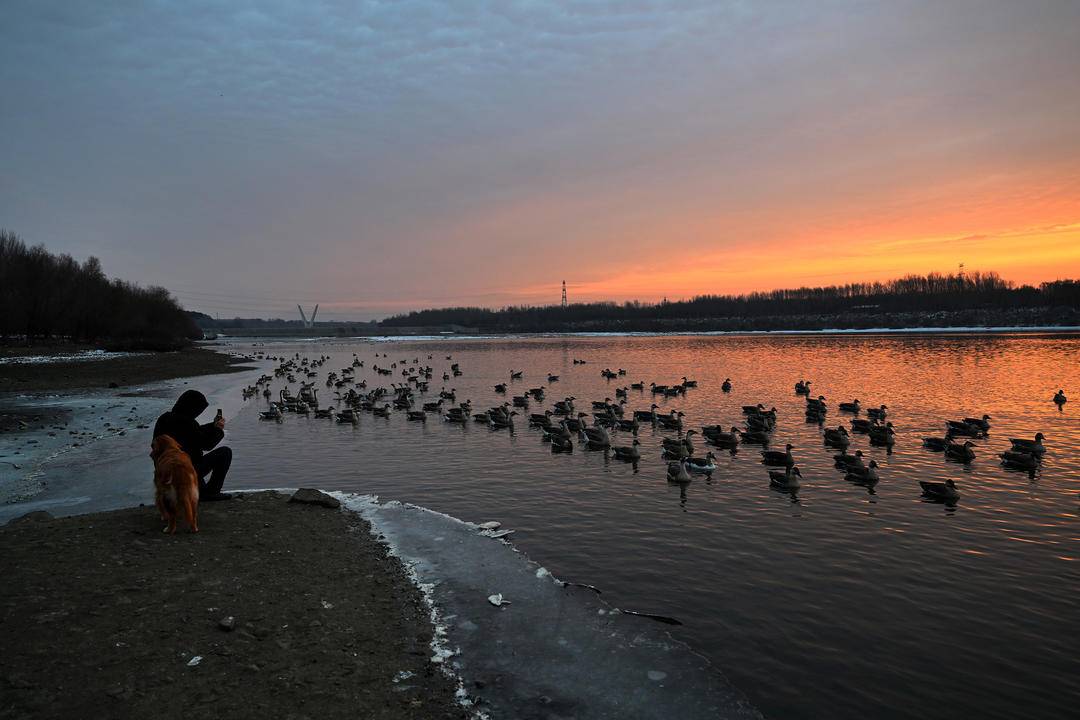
118	372
102	615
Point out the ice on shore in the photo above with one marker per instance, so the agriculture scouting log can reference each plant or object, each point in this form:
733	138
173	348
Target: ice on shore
555	642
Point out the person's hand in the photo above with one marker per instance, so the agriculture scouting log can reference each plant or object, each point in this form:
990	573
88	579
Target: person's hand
219	423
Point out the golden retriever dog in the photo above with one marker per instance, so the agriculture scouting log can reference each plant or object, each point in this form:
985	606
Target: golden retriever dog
176	486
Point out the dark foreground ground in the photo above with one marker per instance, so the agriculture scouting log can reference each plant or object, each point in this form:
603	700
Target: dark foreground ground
137	369
101	616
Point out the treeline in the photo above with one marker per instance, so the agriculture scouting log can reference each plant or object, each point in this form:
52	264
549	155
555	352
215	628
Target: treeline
44	296
914	300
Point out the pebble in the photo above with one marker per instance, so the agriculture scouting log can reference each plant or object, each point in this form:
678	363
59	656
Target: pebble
227	623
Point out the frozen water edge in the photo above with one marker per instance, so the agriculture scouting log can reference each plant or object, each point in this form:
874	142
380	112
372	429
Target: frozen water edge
84	356
554	649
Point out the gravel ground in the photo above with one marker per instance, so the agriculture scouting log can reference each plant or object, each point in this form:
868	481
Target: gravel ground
294	610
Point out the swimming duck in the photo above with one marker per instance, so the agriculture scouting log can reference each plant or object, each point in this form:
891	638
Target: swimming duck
677	472
646	415
940	491
1019	460
802	387
716	435
861	425
576	424
416	415
627	452
852	407
553	378
348	415
556	431
962	427
597	437
754	437
882	435
638	385
561	445
483	417
540	418
753	409
1060	399
499	422
878	413
726	387
963	453
500	388
862	474
672	421
1035	447
937	443
775	457
706	464
981	423
274	413
384	411
688	383
324	413
848	461
837	438
788	478
675	444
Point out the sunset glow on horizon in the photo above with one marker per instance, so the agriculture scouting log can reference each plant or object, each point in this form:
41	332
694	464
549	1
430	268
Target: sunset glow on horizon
391	157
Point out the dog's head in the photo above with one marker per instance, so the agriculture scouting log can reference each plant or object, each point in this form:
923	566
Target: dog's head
161	445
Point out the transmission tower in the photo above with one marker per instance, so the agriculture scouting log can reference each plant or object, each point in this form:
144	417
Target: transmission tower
564	293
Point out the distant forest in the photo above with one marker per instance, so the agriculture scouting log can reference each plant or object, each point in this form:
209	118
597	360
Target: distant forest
934	300
51	297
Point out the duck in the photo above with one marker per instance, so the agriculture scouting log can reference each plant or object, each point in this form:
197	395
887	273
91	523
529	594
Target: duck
846	460
706	464
553	378
716	435
753	409
1060	399
862	474
483	418
416	415
883	435
802	387
964	453
575	424
788	479
500	422
775	457
597	437
837	438
672	421
675	444
940	491
962	427
638	385
937	443
541	418
861	425
561	444
688	383
852	407
517	375
1018	460
348	415
274	413
384	411
627	452
754	437
878	413
556	431
647	415
726	387
981	423
500	388
324	413
1035	447
677	472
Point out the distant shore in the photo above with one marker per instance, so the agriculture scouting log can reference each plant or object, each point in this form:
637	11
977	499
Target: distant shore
274	608
129	369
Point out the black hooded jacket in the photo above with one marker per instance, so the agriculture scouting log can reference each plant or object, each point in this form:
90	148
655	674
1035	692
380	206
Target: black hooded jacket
180	424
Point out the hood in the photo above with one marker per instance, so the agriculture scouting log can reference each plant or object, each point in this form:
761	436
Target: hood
190	404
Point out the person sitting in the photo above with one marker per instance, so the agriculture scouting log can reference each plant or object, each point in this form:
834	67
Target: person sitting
195	439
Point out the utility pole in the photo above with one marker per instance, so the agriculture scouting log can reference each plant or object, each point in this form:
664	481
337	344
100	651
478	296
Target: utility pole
564	293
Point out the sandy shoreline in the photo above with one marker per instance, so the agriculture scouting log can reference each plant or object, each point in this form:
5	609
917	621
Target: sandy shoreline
102	616
116	371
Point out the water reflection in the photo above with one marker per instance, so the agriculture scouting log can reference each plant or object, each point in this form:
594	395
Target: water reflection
767	577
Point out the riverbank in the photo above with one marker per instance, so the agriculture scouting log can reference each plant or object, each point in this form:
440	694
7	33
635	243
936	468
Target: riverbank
104	616
117	372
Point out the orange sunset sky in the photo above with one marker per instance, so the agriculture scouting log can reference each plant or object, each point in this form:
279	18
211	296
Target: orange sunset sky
378	158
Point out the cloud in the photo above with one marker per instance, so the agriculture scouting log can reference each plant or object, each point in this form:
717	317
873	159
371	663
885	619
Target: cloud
403	152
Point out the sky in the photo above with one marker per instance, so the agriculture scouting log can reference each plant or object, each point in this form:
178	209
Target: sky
377	157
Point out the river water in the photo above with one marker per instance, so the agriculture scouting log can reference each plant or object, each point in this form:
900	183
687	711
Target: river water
839	601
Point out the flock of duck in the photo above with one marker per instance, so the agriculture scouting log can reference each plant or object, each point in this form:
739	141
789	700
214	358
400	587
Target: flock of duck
564	422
